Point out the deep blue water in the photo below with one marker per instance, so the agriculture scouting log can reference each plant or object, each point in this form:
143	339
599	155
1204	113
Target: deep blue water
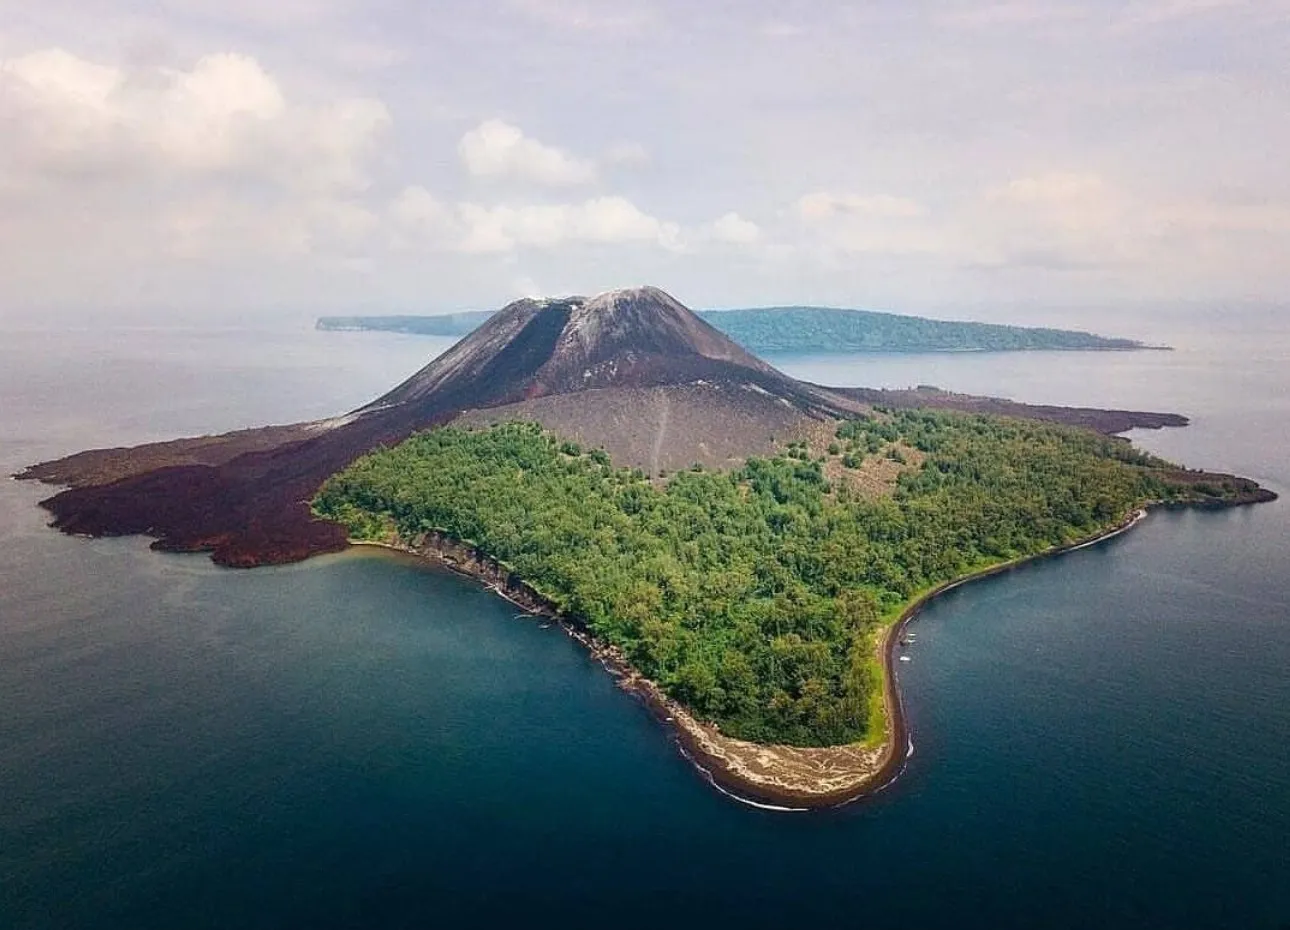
1102	740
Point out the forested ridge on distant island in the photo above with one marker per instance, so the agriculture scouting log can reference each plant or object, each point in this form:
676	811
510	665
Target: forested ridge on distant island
804	329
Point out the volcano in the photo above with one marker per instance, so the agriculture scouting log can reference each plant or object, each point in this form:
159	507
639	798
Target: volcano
632	371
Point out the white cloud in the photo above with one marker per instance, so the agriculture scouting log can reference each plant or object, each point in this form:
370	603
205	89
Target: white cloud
1079	221
223	116
147	137
734	229
504	228
209	161
1072	204
421	221
1061	220
841	224
496	149
1059	189
628	154
1055	220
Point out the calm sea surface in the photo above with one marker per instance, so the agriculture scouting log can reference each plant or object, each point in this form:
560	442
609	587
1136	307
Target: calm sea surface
1102	740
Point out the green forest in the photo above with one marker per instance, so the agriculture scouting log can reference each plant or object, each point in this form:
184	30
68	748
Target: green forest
823	329
755	596
803	329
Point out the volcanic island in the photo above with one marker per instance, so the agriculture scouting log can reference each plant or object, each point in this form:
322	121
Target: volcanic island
740	548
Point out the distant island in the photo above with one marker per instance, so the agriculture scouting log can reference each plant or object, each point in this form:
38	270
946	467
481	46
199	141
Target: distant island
447	324
782	330
741	548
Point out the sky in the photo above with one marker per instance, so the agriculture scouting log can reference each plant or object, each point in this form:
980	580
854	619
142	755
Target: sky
194	157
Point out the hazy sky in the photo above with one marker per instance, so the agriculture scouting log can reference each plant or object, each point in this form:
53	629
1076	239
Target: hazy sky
368	155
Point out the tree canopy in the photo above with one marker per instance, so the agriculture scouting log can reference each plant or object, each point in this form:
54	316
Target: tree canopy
755	596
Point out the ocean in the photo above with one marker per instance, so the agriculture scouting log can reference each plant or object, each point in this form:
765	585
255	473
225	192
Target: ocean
1100	740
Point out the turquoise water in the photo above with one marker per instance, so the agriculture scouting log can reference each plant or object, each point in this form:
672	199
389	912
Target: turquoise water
359	741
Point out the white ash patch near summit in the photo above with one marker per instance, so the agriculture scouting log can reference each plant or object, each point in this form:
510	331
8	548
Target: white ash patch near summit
604	316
